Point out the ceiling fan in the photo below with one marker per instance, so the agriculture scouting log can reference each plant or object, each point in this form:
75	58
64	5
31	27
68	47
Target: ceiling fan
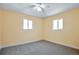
39	6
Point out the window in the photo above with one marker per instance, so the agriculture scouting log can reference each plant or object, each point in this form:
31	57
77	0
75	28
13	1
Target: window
27	24
58	24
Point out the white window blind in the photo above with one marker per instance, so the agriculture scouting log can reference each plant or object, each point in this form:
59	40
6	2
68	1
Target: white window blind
30	24
27	24
55	25
58	24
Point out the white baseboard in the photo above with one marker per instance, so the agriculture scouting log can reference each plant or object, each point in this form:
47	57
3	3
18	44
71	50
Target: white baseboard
71	46
67	45
18	43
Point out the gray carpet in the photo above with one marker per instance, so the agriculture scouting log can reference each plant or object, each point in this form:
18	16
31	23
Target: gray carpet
41	47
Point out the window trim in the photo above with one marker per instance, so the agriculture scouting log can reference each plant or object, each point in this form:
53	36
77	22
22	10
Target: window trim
58	23
26	24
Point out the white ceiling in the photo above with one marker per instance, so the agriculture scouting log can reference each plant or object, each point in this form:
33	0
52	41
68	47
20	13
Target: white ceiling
54	8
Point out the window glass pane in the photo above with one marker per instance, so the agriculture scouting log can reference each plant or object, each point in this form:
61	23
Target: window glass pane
25	22
55	25
30	24
60	24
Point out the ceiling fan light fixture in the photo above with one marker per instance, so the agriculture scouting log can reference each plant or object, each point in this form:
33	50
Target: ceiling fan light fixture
38	9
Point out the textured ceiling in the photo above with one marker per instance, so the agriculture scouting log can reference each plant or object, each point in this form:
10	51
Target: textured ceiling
54	8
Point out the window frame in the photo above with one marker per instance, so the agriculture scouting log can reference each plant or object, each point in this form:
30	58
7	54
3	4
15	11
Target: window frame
57	24
26	24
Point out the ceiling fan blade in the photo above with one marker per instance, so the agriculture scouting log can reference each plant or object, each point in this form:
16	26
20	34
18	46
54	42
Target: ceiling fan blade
32	5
